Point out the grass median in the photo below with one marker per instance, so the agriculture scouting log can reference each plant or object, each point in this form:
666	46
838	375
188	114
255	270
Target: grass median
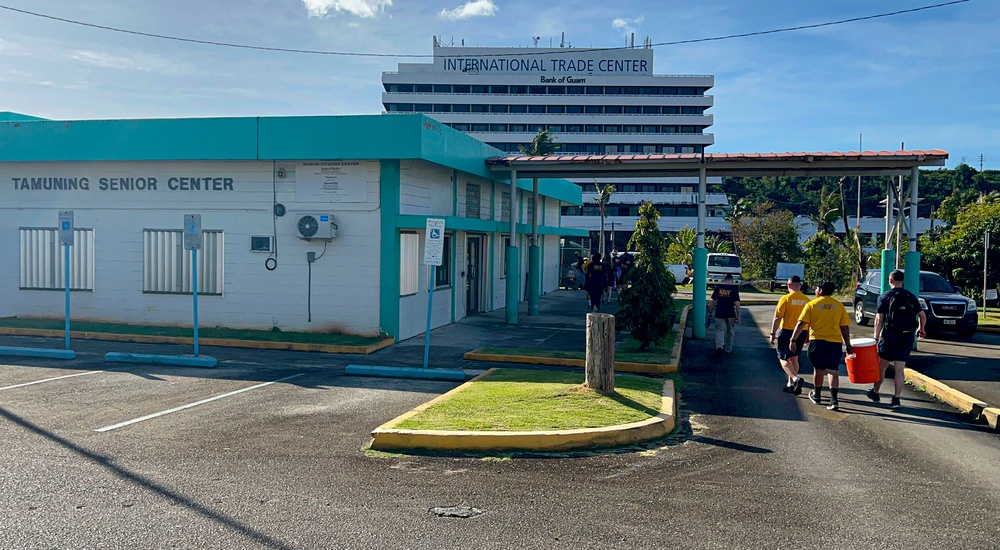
536	400
329	338
990	319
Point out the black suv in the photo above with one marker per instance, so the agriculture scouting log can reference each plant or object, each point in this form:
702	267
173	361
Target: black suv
946	309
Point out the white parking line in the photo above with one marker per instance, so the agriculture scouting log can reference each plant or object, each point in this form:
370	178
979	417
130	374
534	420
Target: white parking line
49	380
189	405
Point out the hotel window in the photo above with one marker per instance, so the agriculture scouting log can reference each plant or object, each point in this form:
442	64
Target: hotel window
478	108
593	128
480	127
404	88
502	128
478	89
404	107
422	108
630	129
692	110
649	149
612	129
442	88
687	149
537	90
574	109
687	211
613	90
595	90
42	258
519	108
442	275
570	210
669	130
592	148
650	110
573	128
650	129
535	128
557	90
521	90
536	108
166	265
627	188
460	127
669	91
409	264
687	129
500	89
442	108
460	89
498	108
423	88
670	110
505	206
632	110
594	109
631	90
611	149
472	201
517	128
460	108
555	128
556	109
574	90
613	109
688	91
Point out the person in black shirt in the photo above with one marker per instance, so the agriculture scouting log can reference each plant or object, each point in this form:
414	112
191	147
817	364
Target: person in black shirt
898	319
726	305
598	278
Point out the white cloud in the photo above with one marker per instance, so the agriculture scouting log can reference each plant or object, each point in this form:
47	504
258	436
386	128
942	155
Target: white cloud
625	24
476	8
360	8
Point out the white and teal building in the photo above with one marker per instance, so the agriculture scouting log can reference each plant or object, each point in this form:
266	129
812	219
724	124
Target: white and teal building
310	223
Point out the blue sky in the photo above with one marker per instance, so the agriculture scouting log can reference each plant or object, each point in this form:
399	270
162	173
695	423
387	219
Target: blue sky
930	79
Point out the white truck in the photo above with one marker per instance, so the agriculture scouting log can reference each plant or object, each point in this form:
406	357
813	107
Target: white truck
720	265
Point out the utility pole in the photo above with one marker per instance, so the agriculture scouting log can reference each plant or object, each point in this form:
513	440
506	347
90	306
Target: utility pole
981	159
858	224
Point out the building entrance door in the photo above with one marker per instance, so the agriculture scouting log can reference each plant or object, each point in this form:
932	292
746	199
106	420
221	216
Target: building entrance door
474	251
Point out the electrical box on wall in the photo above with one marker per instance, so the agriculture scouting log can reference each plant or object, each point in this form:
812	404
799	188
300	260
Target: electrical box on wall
260	243
315	226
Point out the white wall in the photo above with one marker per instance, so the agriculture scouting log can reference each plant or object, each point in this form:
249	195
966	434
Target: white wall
343	296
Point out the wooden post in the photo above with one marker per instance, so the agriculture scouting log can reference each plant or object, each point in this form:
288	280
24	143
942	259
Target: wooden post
600	366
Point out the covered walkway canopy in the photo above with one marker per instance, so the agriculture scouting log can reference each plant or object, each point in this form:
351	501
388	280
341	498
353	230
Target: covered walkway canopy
850	163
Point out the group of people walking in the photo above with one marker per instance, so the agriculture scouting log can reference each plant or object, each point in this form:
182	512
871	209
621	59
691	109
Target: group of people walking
602	277
821	328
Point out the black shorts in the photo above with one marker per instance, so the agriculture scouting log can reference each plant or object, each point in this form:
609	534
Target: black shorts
895	346
784	337
825	355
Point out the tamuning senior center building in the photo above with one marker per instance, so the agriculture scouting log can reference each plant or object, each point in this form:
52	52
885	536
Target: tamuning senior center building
309	223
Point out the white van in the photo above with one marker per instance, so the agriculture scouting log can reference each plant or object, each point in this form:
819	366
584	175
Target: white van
720	265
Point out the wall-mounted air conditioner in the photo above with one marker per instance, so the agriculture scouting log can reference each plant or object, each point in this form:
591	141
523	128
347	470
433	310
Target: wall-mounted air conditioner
315	226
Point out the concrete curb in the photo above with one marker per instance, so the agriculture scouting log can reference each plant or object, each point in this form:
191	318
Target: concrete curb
995	330
220	342
961	401
388	438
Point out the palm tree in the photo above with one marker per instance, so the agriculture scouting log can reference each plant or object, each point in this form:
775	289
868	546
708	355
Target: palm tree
541	145
603	197
686	239
826	212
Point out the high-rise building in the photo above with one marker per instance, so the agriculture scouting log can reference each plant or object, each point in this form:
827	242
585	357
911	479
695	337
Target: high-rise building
593	101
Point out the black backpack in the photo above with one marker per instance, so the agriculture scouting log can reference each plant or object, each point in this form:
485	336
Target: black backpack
903	310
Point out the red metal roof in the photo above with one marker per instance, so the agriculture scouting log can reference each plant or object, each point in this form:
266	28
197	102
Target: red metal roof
931	154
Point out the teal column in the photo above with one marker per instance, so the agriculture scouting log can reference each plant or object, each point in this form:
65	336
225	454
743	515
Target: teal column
911	277
513	289
888	264
700	290
534	273
389	248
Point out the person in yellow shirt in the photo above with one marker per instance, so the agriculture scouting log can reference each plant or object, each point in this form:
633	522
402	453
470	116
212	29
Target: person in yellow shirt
785	316
828	324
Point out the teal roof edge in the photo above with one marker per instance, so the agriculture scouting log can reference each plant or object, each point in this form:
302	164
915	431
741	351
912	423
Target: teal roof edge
383	136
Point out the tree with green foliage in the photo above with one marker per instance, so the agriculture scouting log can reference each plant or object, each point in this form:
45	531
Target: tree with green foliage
827	260
764	238
681	245
647	304
957	252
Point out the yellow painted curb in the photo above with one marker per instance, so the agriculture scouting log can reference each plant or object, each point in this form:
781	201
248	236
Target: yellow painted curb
949	395
387	438
221	342
991	415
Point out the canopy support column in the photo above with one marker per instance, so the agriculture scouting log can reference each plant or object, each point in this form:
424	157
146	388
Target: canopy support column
700	288
513	290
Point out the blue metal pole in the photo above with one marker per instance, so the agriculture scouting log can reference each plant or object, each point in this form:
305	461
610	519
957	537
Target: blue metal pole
430	309
66	274
194	286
